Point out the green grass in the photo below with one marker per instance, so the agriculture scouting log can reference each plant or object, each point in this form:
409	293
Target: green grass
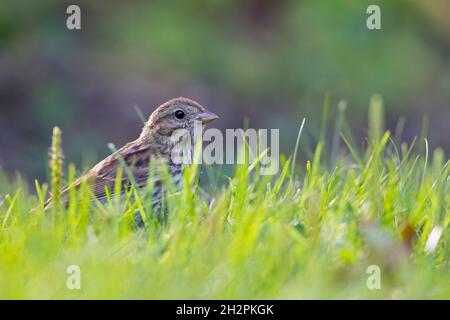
305	233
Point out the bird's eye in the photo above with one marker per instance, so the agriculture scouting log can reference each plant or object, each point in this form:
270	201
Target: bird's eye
179	114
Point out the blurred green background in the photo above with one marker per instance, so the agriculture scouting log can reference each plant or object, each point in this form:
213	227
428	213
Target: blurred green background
268	61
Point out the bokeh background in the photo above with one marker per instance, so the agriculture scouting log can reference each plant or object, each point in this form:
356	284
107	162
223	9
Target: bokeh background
268	61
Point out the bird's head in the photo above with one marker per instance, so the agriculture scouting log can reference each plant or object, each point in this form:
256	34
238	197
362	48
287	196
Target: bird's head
178	113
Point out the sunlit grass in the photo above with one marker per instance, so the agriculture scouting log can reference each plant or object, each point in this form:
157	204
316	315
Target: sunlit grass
305	233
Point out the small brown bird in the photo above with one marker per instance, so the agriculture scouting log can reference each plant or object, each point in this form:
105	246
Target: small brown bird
153	146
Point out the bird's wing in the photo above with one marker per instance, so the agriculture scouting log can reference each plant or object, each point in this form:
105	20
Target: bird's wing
137	161
137	158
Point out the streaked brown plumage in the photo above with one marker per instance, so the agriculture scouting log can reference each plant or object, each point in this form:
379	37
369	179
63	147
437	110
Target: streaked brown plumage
152	147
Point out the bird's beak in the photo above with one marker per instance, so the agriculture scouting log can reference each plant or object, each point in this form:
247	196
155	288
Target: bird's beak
206	117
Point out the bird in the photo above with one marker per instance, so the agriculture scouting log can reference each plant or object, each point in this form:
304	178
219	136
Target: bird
153	146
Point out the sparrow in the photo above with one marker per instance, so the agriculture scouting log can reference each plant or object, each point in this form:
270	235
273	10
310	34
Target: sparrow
154	146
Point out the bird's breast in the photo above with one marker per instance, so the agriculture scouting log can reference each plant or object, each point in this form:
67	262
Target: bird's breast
176	172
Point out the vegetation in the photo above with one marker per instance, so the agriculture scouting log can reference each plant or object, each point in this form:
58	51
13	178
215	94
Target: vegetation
308	233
